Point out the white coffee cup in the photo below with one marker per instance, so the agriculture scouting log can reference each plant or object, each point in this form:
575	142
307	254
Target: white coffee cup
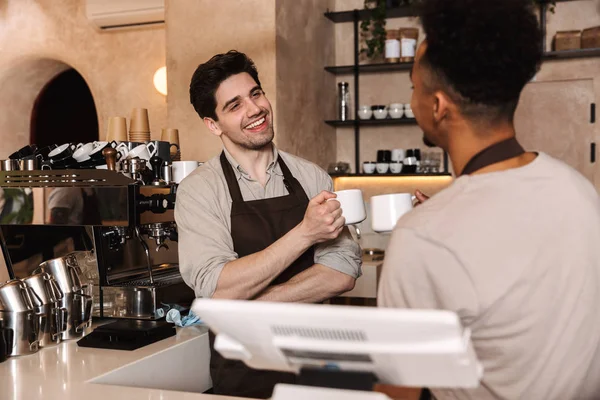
352	205
388	208
382	168
181	169
398	154
145	151
396	167
83	153
369	167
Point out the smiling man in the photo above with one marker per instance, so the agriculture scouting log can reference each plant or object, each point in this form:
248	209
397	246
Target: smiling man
247	229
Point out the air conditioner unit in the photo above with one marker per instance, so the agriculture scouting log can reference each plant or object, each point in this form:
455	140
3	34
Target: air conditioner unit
113	14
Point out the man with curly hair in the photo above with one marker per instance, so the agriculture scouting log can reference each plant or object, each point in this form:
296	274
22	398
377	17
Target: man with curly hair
512	246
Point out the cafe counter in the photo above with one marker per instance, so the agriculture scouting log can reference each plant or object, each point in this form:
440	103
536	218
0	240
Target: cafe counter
175	368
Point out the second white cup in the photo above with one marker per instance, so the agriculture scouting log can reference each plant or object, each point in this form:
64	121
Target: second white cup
352	204
387	209
181	169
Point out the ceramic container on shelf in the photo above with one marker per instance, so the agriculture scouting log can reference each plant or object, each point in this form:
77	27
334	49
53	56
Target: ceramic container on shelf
396	110
380	112
408	112
365	112
369	167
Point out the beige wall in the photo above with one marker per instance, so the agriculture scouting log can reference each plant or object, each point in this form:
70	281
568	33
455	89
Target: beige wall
305	93
43	37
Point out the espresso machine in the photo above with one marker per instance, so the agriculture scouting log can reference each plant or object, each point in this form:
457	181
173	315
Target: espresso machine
122	230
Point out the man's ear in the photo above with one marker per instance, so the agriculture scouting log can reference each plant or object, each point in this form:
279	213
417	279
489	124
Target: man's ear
441	106
212	126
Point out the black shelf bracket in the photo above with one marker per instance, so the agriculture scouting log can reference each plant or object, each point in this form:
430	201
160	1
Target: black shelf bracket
356	94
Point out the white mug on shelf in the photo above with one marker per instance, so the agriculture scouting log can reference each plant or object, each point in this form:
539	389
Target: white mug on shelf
388	208
398	155
352	205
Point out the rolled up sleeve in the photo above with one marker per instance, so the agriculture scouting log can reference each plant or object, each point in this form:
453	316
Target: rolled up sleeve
342	254
205	243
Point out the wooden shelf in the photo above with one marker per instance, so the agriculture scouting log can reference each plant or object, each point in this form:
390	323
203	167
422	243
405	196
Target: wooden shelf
396	12
370	68
378	122
348	16
567	54
386	175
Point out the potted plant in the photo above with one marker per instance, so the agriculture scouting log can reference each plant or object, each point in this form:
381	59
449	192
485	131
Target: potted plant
373	28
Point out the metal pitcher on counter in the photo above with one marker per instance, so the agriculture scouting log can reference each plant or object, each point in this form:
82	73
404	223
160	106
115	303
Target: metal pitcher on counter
75	300
21	317
54	322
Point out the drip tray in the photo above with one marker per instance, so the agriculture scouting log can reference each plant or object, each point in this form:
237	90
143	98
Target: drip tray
127	334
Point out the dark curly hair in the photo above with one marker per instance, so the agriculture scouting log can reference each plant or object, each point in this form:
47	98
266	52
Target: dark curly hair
211	74
482	52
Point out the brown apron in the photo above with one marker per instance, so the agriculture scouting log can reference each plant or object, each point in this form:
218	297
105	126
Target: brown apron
493	154
255	225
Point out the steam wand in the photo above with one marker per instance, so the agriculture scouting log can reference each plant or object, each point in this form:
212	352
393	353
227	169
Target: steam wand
147	250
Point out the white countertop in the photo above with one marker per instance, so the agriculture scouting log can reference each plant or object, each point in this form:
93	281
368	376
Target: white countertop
62	372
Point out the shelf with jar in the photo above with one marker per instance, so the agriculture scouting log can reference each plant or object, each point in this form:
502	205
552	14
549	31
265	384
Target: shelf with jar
574	51
372	116
394	64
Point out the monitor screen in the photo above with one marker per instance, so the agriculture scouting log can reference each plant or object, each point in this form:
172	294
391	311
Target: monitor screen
401	347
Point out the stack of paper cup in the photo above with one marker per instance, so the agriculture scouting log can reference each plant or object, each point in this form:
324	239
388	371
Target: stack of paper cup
117	129
172	136
139	126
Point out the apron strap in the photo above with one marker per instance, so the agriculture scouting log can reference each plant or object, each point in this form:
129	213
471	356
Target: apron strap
291	183
493	154
232	184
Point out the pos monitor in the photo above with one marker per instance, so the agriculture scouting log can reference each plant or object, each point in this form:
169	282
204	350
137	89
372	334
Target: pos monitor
414	348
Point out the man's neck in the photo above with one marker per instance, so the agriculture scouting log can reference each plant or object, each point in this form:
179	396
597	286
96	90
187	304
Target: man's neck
469	140
254	162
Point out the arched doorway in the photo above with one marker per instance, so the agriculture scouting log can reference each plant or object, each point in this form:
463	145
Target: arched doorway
64	111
